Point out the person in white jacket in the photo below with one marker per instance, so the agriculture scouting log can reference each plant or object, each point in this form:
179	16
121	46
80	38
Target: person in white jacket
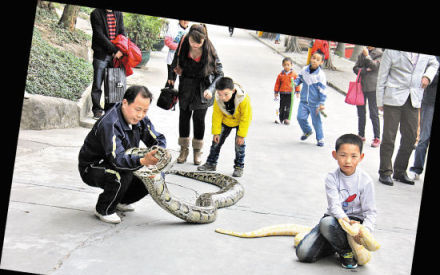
172	39
401	80
350	196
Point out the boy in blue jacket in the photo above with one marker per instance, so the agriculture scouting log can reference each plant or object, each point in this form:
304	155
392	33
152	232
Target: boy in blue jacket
312	97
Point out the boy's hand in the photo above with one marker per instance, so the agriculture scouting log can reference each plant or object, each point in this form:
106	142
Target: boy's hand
320	108
216	138
239	140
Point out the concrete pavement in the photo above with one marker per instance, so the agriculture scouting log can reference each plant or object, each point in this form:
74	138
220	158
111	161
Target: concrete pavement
51	228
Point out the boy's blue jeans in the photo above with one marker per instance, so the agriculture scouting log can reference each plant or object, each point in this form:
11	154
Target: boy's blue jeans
304	110
326	238
215	148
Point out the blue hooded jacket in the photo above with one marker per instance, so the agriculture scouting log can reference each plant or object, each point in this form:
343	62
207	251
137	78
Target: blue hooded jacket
314	85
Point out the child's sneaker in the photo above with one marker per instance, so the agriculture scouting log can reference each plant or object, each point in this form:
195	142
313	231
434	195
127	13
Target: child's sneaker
286	121
348	261
320	143
207	167
305	136
124	207
363	138
277	121
238	172
112	218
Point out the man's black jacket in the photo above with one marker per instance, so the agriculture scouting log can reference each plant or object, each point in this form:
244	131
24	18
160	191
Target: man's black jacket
111	136
101	44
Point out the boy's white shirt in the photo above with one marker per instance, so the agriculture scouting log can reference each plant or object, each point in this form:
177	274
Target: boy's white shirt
339	187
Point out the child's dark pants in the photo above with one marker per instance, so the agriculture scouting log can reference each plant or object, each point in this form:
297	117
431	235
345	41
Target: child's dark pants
325	239
215	148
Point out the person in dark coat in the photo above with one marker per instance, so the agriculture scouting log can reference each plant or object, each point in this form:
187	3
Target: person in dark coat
200	69
103	162
368	62
106	25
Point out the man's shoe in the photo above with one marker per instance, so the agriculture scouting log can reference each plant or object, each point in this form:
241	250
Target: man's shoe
376	143
320	143
124	207
403	178
112	218
238	172
363	138
386	180
305	136
207	167
348	261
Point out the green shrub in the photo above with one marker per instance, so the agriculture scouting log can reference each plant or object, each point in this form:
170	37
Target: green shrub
56	73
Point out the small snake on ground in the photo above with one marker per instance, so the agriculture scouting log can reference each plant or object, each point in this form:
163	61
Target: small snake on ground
205	208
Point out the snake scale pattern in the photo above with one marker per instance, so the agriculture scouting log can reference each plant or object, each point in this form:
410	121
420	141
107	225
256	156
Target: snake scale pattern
204	210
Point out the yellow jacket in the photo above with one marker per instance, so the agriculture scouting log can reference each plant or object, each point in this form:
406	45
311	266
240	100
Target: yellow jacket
242	115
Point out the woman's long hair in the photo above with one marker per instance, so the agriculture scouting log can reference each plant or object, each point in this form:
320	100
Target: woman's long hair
198	32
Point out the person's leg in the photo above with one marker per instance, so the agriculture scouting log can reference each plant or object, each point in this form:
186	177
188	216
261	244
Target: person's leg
408	131
391	118
302	116
239	153
427	114
374	113
317	123
98	78
215	147
313	247
361	118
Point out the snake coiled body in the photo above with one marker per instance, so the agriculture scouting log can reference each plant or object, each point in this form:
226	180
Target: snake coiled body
204	210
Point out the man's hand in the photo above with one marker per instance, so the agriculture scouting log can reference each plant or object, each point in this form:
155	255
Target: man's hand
425	82
119	54
320	108
149	158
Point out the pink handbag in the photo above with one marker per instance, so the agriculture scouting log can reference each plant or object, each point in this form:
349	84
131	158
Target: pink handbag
355	96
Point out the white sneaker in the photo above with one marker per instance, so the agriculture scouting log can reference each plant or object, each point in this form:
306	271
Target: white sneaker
124	207
413	175
113	218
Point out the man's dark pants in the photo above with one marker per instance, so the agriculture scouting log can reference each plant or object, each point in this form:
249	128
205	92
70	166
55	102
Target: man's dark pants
119	187
98	78
405	116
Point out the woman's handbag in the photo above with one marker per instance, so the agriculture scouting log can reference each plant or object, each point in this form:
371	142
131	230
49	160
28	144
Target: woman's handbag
168	98
355	96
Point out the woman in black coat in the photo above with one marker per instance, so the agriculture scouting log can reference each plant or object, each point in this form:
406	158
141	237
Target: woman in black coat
199	68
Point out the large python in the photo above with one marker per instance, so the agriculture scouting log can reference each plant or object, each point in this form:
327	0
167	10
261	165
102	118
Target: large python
360	252
205	208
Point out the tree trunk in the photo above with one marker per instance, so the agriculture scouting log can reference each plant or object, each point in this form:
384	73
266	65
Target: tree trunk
356	52
292	44
328	64
68	19
340	49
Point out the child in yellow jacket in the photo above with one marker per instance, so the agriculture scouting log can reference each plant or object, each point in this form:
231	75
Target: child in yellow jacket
232	109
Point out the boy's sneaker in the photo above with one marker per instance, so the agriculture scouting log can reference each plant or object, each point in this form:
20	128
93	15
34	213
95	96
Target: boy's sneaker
286	121
348	261
363	138
376	142
305	136
277	121
238	172
112	218
207	167
124	207
320	143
